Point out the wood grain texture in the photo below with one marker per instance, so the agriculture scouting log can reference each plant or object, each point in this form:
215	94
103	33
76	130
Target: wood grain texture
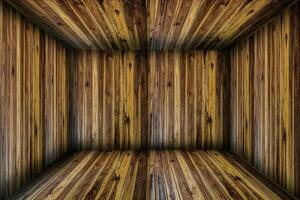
33	100
91	24
134	100
187	94
152	175
162	24
199	24
265	99
109	99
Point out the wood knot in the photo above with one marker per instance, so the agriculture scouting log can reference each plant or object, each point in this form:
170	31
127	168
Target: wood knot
35	129
250	12
284	135
224	2
77	3
115	177
142	82
208	119
117	12
126	119
87	84
248	1
232	193
169	84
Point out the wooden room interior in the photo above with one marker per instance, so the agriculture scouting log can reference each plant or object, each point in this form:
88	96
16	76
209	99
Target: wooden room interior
149	99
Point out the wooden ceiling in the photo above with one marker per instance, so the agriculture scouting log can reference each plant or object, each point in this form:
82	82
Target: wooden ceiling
196	24
149	24
95	24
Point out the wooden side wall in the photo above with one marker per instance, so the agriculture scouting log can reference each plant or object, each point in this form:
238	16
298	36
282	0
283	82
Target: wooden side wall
265	99
137	100
33	100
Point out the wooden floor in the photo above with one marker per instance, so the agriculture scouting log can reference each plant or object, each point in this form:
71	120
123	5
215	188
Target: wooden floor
151	175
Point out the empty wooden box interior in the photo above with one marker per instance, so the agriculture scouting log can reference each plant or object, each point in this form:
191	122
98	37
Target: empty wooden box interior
149	99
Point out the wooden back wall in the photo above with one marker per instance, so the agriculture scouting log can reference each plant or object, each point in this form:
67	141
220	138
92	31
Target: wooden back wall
33	100
265	99
138	100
